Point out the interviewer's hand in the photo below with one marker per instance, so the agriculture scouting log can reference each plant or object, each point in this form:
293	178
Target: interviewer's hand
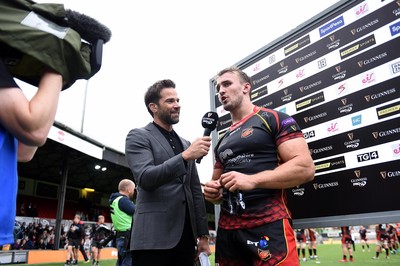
197	149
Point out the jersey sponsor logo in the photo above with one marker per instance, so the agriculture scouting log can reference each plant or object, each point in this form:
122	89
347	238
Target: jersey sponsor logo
287	122
247	132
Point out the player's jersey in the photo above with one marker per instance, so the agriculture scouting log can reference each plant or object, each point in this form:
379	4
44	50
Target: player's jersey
301	236
311	235
363	234
249	147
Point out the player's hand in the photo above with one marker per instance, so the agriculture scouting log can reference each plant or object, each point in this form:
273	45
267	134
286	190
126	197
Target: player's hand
236	181
213	191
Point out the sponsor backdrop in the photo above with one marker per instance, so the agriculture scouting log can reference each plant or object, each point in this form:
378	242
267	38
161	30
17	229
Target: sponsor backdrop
338	75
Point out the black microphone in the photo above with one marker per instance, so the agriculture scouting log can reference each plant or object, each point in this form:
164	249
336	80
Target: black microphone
209	122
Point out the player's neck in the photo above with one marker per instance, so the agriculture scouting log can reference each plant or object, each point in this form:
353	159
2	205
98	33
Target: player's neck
245	109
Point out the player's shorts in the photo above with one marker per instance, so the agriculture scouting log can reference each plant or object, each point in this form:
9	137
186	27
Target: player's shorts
346	240
75	243
268	244
96	244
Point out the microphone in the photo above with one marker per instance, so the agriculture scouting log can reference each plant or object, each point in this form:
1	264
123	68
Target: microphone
89	28
209	123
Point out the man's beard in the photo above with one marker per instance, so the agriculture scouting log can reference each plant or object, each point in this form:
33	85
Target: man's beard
167	118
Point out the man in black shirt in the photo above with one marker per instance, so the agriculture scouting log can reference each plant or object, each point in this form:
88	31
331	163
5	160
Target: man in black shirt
75	237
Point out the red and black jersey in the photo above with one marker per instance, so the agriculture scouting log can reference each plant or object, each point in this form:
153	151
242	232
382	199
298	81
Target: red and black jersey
363	234
249	147
311	235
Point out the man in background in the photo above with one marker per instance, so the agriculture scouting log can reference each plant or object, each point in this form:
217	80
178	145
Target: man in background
75	238
100	232
122	210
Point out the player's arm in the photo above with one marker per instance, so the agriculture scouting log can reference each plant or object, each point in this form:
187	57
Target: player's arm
296	168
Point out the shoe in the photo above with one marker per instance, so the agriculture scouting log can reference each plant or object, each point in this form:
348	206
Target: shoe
86	261
304	259
343	260
363	250
375	258
351	259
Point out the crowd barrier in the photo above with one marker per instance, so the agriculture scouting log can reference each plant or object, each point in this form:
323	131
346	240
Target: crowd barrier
46	256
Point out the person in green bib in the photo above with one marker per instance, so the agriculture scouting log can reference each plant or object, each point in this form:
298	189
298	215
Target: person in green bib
122	209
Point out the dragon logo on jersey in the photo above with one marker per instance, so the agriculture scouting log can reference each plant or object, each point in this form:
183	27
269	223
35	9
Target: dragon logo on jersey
247	132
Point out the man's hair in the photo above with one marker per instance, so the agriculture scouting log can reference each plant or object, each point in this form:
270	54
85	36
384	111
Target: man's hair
78	216
125	184
153	93
244	78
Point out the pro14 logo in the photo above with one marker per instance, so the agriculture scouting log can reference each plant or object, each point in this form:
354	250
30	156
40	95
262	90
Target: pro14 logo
367	156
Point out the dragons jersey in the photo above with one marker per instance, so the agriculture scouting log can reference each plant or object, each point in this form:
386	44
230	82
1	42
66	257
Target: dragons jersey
249	147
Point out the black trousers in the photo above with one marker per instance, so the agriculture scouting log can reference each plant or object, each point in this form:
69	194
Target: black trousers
182	254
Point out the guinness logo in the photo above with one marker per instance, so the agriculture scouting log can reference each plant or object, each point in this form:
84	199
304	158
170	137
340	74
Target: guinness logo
375	135
344	101
357	173
398	3
367	98
282	64
301	89
297	60
315	186
338	69
383	174
360	63
350	135
332	38
306	119
293	127
353	31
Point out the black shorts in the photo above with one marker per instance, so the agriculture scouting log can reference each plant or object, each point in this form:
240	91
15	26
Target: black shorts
96	244
75	243
268	244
